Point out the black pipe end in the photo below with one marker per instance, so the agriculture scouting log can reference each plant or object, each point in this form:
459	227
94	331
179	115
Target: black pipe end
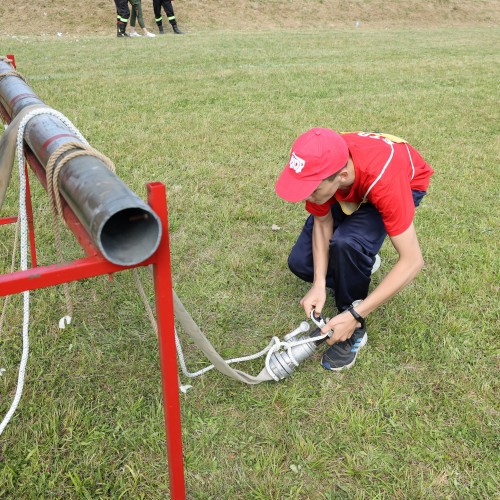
130	236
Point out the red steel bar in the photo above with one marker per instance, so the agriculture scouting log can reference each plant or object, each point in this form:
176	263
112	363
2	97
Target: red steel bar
166	342
29	207
12	59
29	214
56	274
8	220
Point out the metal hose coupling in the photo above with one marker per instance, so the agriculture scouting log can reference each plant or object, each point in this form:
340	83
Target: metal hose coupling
282	363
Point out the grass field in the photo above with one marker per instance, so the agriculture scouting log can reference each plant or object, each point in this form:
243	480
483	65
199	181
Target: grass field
213	116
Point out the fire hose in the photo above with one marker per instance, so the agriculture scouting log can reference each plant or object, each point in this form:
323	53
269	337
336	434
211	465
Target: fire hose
282	357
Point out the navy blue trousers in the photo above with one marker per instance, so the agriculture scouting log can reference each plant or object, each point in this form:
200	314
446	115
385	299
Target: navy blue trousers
356	240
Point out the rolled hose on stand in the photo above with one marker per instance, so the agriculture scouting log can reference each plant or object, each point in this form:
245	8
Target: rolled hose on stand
122	226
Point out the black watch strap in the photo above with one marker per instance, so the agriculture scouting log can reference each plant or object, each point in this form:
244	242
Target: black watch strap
357	316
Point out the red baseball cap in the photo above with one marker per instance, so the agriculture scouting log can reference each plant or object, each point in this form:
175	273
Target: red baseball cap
315	155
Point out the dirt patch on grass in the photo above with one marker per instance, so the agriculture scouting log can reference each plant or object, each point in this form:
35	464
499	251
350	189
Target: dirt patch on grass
60	16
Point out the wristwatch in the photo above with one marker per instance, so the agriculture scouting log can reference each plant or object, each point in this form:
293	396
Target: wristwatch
357	316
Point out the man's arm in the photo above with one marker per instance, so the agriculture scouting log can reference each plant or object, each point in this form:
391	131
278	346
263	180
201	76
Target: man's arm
321	235
409	264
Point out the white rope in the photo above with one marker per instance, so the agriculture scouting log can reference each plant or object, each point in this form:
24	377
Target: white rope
57	114
185	371
23	218
24	266
274	345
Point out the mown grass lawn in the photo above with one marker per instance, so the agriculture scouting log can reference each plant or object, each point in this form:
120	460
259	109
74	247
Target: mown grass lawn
213	117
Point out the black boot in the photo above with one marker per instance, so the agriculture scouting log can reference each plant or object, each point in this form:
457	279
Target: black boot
176	29
120	29
161	30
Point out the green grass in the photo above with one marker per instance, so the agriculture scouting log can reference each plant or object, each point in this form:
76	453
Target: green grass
213	117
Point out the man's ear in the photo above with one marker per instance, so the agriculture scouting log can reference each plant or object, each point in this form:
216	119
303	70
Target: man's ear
343	174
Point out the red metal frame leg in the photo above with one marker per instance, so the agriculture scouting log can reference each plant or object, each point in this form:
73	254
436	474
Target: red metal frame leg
29	213
12	59
166	341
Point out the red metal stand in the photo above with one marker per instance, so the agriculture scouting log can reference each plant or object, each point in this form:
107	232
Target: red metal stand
95	265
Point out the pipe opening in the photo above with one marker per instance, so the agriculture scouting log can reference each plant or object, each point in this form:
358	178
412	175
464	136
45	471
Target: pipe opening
130	236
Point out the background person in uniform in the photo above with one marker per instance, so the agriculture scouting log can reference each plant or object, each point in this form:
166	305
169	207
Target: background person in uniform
122	17
358	187
169	10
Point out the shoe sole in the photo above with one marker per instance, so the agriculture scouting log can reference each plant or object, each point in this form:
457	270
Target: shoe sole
363	342
376	264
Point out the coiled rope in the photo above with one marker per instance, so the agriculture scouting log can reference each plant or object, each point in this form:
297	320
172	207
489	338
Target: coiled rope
52	175
12	72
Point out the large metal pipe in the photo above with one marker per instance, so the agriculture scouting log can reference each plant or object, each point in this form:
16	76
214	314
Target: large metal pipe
123	227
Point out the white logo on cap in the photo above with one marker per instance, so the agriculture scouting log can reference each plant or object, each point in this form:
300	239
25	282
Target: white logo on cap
297	163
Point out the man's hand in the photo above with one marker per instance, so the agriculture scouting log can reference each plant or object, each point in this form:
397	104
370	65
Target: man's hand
342	325
315	299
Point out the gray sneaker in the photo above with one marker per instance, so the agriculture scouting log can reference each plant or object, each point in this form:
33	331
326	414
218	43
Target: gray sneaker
342	355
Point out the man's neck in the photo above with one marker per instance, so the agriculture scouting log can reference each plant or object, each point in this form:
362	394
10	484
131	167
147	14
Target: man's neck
347	181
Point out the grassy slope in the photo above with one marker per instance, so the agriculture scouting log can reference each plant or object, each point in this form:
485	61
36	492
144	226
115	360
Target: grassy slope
52	16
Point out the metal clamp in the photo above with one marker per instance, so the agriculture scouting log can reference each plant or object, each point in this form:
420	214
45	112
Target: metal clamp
320	321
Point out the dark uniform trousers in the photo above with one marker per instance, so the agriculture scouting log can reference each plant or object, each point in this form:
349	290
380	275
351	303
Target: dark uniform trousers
122	10
169	10
356	240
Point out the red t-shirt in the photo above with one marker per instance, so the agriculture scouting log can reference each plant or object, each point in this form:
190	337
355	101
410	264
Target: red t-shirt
387	169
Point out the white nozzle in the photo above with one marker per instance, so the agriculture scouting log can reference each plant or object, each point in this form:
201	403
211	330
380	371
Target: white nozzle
303	327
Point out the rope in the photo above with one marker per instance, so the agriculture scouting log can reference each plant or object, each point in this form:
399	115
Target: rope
24	266
56	207
16	236
145	301
12	267
11	72
52	172
178	346
52	175
270	348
